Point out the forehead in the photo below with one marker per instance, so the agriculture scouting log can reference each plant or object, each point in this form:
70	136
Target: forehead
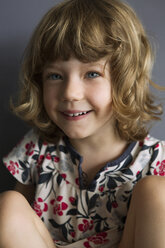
101	63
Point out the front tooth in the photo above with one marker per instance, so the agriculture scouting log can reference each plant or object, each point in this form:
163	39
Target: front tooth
76	114
71	115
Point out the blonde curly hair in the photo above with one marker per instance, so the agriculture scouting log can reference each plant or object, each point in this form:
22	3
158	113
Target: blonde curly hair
91	30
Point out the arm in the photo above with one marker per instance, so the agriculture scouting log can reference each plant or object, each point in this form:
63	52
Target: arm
27	190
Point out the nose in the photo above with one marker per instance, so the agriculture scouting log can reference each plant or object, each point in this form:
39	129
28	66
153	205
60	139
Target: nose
73	89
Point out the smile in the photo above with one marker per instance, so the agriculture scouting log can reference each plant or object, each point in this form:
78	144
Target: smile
76	114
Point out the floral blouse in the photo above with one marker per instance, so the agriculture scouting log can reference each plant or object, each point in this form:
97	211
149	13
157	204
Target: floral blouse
75	214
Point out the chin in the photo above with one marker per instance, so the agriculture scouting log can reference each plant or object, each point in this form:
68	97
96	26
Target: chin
75	135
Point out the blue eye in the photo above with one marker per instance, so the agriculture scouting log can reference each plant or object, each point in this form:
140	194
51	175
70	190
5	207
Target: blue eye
54	76
92	74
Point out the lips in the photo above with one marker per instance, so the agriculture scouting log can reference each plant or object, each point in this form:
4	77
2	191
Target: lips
75	114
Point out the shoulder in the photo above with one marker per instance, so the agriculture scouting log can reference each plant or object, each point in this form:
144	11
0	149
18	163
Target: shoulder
26	145
155	145
157	151
26	157
26	151
29	147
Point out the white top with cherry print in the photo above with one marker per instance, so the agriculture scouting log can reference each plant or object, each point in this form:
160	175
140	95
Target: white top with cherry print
75	214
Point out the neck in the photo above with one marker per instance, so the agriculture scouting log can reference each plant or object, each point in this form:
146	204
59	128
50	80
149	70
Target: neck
107	147
97	151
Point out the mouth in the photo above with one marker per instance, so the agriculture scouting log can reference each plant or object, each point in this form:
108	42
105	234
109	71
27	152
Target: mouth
75	114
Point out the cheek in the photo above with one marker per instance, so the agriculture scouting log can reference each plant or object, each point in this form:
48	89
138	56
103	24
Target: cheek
49	98
102	96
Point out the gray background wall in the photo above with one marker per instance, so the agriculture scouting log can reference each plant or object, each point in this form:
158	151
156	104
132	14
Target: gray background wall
17	21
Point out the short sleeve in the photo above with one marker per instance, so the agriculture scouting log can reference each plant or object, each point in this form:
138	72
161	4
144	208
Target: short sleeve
157	166
22	161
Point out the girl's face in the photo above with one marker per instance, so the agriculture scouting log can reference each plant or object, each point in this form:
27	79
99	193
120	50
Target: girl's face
77	97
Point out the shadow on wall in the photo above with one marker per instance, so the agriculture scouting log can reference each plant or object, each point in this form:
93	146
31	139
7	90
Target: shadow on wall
11	128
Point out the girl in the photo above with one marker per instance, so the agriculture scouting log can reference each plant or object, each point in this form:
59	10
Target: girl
85	91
